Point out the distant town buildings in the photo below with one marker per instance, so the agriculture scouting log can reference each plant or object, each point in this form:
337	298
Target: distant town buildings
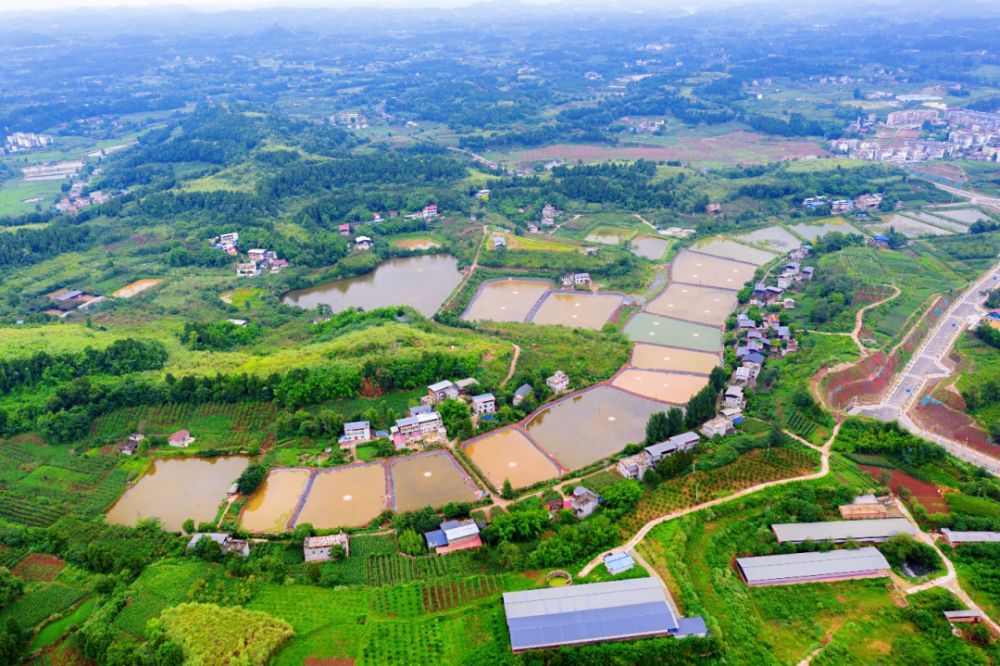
22	141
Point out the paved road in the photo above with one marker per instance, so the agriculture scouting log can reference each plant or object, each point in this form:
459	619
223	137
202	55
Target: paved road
973	197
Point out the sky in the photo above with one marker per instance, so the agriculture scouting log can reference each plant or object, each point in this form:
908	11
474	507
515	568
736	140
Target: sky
217	5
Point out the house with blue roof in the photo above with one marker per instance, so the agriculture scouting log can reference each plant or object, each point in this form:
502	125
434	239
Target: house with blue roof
618	563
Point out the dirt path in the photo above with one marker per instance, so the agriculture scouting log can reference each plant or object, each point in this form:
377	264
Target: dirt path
472	269
513	365
645	529
859	324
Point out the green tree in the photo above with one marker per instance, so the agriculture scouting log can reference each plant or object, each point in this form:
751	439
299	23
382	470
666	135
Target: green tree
507	492
188	526
675	417
411	543
508	554
623	496
657	428
11	587
251	478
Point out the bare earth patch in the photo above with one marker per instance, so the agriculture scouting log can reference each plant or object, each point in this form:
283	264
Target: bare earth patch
316	661
38	567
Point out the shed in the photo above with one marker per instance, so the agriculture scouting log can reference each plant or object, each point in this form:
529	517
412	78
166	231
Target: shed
971	616
618	563
581	614
812	567
435	539
956	538
522	392
839	531
218	537
454	530
691	626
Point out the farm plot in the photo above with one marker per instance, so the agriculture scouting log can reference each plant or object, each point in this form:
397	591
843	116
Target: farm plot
928	495
656	357
39	605
414	600
813	230
964	215
668	387
749	470
908	227
776	239
38	567
159	587
645	327
394	569
694	303
717	246
701	269
938	221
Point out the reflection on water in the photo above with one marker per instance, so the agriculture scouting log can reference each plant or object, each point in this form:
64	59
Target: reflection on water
577	310
175	489
272	505
649	247
431	480
345	497
508	454
416	243
591	425
507	300
421	282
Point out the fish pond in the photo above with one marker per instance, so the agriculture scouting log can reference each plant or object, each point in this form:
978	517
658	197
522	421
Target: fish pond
649	247
345	496
416	243
966	215
645	327
432	479
707	271
508	454
663	386
591	425
577	310
729	249
656	357
175	489
269	509
813	230
776	239
694	303
608	235
505	300
422	282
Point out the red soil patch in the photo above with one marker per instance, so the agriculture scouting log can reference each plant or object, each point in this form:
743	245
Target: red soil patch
38	567
929	496
741	147
942	420
533	575
29	438
316	661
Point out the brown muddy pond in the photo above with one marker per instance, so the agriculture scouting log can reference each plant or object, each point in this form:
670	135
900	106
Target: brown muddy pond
694	303
649	247
592	425
729	249
345	497
701	269
506	300
422	282
416	243
434	479
663	386
508	454
175	489
577	310
273	503
655	357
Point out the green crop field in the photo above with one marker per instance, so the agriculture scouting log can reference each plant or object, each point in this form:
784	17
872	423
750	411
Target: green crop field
37	606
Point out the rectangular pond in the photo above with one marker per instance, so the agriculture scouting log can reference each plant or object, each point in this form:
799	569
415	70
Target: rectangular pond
577	309
775	239
966	215
269	509
345	496
656	357
591	425
175	489
701	269
508	454
907	226
608	235
645	327
649	247
694	303
663	386
505	300
813	230
939	221
729	249
432	479
422	282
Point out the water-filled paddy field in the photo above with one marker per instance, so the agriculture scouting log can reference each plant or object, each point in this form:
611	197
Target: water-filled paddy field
694	303
608	235
649	247
701	269
655	357
645	327
663	386
175	489
966	215
813	230
431	479
591	425
939	221
345	496
773	238
271	506
728	249
508	454
577	310
422	282
505	300
416	243
908	227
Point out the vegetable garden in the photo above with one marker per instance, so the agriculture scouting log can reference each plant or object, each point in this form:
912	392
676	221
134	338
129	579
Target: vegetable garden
414	600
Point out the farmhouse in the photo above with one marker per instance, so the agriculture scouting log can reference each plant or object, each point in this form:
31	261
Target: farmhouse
484	404
363	243
839	531
452	536
345	230
683	442
247	270
464	386
812	567
256	256
356	431
558	382
581	278
228	543
969	616
719	426
320	548
956	538
181	438
734	397
584	502
580	614
441	391
634	467
499	242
